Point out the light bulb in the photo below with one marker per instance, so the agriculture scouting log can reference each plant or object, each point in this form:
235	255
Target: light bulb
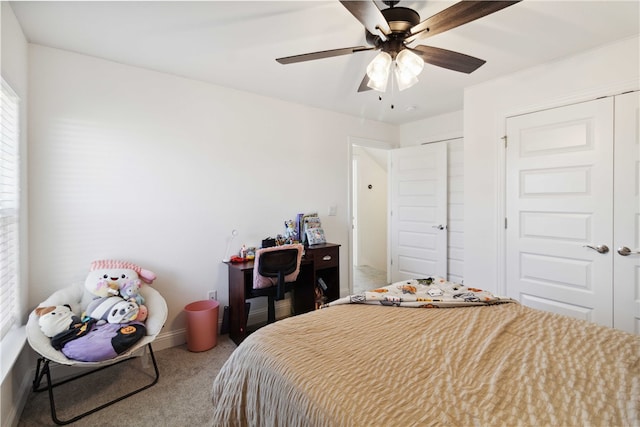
404	79
409	62
378	71
408	66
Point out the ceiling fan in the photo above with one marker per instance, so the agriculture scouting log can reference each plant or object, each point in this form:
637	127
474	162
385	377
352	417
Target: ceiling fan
392	30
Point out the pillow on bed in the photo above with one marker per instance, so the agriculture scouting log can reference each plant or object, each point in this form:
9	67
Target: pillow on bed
104	341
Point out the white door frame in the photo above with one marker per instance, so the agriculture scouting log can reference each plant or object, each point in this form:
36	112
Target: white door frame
370	143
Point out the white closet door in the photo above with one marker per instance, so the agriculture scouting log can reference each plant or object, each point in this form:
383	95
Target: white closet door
418	211
559	200
627	213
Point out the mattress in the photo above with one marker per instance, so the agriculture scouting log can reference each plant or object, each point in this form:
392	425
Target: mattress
375	365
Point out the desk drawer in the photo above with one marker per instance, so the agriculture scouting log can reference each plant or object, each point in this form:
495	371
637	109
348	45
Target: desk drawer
324	257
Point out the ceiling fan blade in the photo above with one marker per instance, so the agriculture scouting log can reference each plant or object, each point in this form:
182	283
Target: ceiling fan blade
322	54
369	15
456	15
363	84
448	59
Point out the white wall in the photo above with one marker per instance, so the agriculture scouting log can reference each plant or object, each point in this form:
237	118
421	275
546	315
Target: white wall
436	128
608	70
132	164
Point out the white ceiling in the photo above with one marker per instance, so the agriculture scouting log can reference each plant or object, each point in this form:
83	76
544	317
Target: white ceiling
235	43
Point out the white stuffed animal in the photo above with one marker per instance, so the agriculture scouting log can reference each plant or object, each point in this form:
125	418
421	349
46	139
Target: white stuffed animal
107	277
56	319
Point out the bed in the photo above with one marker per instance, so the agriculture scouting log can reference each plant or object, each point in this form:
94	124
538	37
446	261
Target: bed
373	364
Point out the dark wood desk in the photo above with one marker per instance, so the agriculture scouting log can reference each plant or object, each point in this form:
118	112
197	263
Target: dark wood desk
319	261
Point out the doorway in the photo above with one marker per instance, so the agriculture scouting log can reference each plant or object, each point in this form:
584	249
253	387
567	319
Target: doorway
369	215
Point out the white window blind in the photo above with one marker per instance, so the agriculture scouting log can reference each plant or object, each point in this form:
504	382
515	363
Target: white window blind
9	208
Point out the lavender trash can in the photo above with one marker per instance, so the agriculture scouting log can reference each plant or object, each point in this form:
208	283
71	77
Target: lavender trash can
202	325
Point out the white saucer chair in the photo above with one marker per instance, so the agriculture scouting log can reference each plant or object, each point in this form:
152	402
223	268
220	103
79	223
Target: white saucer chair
78	298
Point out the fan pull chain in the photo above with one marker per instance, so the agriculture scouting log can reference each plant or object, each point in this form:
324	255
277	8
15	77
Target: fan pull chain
380	99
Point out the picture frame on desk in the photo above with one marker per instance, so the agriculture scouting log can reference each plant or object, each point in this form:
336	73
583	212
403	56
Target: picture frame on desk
315	236
310	220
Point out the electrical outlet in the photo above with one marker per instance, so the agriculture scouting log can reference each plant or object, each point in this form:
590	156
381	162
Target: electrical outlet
212	295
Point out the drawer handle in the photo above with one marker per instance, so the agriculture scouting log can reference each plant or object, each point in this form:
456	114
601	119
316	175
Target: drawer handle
326	258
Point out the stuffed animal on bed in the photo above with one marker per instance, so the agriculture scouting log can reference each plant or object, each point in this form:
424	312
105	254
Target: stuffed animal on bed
56	319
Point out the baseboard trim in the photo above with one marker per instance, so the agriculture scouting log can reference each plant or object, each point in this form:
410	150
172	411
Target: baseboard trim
170	339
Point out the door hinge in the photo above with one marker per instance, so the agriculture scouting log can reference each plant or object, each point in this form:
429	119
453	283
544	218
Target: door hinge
504	138
505	223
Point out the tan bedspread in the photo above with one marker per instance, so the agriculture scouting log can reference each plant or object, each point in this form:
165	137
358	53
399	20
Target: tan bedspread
365	365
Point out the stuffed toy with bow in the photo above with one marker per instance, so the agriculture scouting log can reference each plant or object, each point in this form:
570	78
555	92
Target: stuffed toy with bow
107	277
111	278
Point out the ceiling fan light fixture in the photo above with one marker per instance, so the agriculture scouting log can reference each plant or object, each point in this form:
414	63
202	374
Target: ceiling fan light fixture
393	29
404	79
409	62
378	85
378	71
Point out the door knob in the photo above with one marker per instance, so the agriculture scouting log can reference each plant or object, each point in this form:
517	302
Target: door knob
439	227
625	251
603	249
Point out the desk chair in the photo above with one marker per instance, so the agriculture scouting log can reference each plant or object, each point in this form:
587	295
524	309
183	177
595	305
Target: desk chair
275	270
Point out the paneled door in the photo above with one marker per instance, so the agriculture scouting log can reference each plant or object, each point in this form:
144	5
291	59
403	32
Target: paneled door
418	200
626	262
559	210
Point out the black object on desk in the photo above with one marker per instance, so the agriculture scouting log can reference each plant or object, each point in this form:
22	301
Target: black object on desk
319	261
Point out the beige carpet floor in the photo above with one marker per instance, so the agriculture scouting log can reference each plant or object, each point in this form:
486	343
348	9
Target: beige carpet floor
366	278
182	396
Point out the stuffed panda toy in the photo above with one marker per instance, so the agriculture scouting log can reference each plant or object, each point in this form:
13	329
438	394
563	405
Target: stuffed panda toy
112	310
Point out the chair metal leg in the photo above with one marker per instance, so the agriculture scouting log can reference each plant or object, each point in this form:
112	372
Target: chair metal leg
271	309
43	370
